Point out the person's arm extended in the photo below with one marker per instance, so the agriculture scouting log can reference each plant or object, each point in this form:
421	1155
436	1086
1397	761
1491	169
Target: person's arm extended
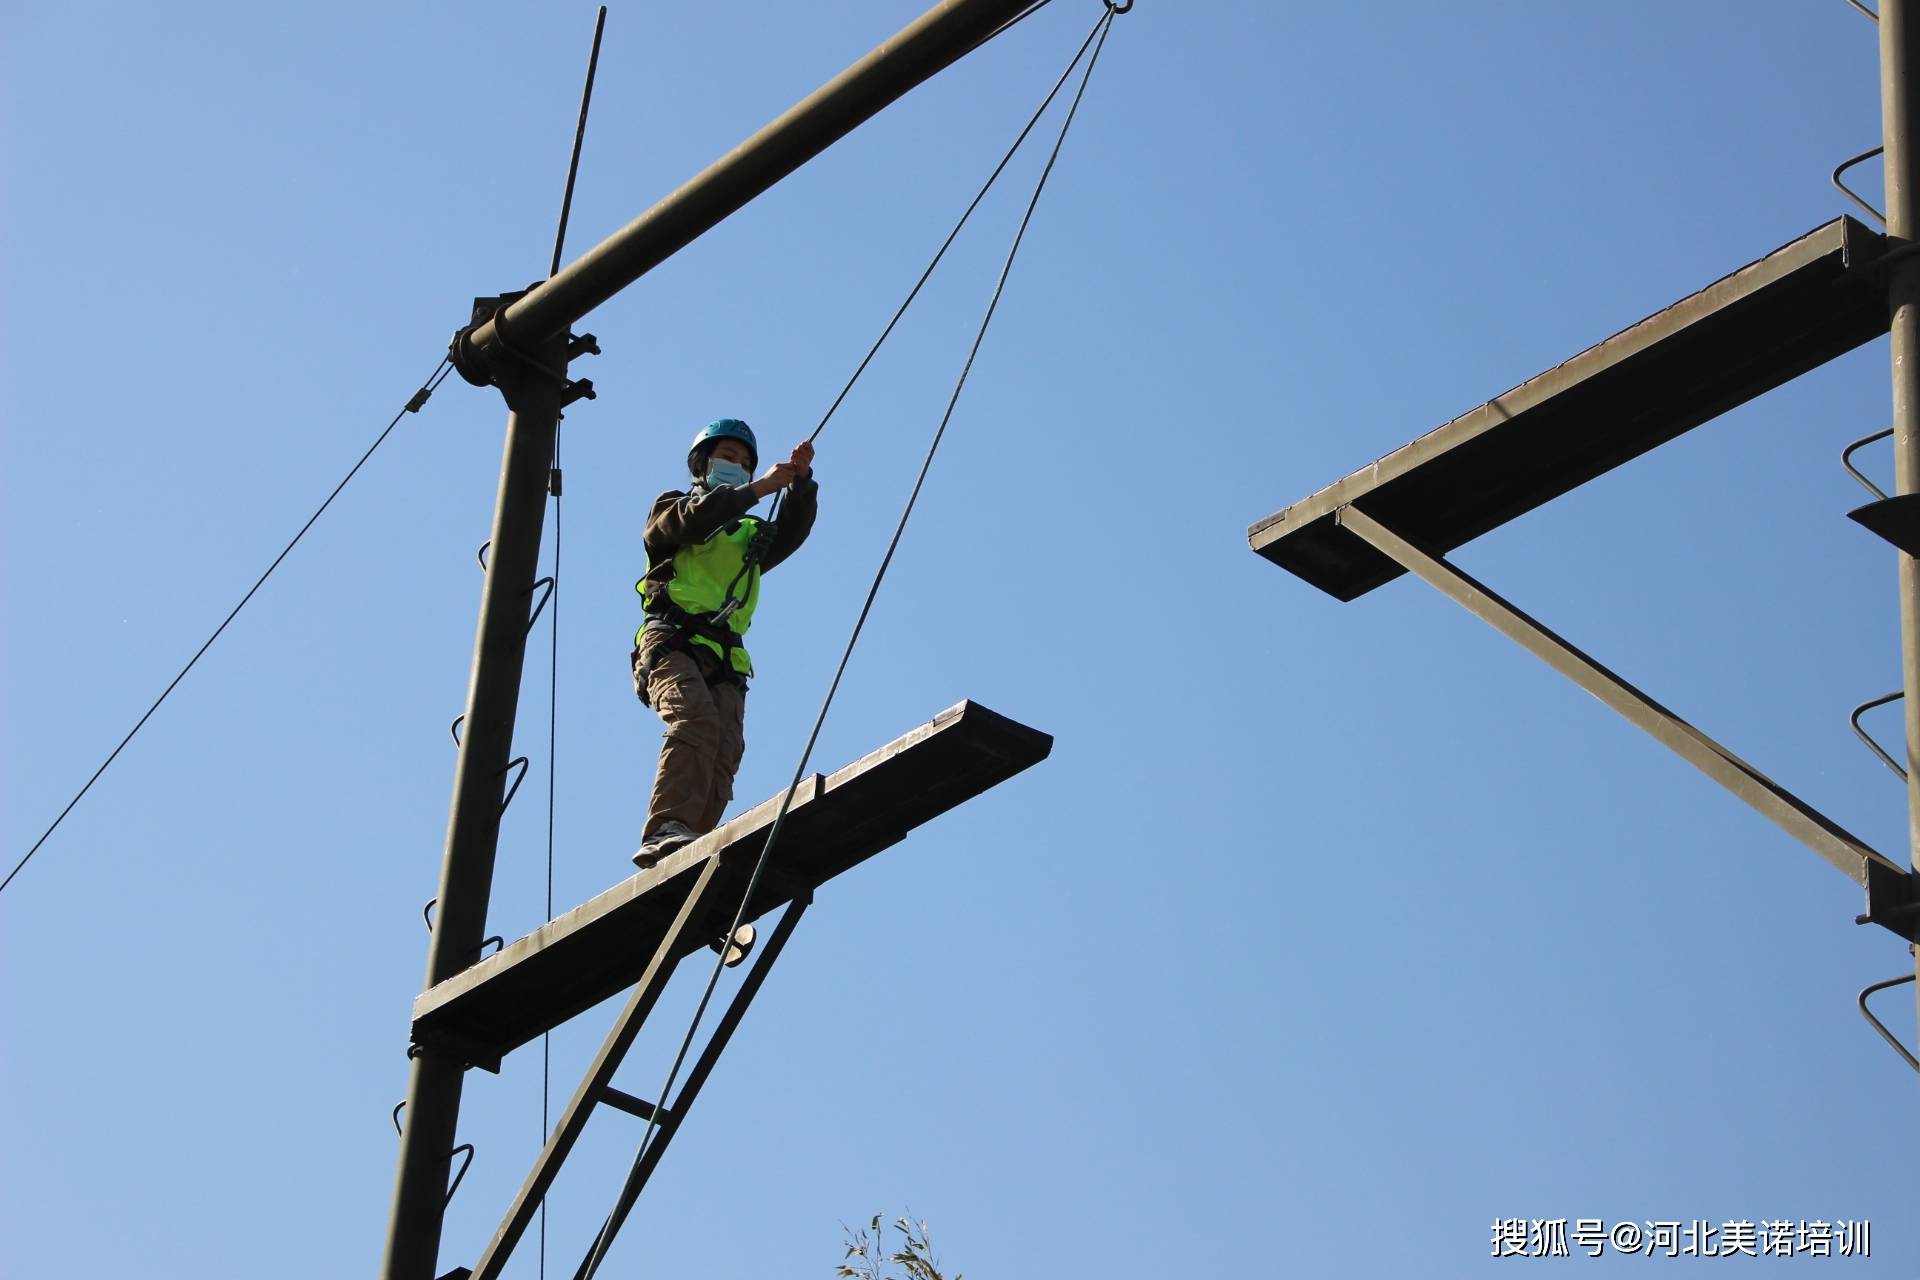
685	519
797	510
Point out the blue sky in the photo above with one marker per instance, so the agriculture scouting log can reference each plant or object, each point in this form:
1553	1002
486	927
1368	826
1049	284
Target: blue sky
1329	933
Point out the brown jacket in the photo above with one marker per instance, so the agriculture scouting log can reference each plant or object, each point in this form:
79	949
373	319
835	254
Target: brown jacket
686	519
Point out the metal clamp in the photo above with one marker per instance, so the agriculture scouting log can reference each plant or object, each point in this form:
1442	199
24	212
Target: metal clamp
1849	192
570	389
1880	1026
1118	9
426	913
398	1107
454	728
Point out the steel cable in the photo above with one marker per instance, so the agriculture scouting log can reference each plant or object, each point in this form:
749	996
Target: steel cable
630	1191
413	405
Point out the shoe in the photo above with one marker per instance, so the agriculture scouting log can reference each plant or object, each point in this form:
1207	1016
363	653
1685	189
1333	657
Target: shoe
671	835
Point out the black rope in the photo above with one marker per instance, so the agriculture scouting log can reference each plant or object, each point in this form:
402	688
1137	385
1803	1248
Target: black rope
413	405
579	136
630	1191
554	486
952	235
773	515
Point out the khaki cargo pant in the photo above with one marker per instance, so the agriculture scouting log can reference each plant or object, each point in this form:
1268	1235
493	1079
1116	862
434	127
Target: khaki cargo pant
704	739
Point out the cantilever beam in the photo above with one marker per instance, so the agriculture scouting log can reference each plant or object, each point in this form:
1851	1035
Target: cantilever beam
603	946
635	934
1764	325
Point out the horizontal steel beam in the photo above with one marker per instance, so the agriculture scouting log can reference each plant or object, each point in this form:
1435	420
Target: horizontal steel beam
1767	323
934	41
1789	812
597	949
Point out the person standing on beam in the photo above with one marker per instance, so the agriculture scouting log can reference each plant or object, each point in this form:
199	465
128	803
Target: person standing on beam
705	555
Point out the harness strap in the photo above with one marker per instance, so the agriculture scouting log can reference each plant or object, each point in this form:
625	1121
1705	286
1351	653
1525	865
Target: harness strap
663	609
685	624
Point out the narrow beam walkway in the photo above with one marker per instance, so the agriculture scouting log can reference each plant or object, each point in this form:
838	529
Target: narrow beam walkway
836	822
1738	338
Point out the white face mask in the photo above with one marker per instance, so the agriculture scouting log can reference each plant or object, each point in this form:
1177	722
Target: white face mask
723	474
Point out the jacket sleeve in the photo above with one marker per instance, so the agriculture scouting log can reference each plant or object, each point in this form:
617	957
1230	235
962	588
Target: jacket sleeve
802	503
685	519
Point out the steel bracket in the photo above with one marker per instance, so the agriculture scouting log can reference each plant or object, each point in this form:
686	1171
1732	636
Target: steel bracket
597	1086
1893	901
452	1044
1895	519
493	364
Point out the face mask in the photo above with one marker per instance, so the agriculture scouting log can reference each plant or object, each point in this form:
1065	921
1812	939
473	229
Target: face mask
721	474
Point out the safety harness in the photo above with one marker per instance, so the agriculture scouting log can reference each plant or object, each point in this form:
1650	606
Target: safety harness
710	626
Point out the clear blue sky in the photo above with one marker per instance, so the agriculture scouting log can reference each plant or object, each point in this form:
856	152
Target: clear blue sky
1329	933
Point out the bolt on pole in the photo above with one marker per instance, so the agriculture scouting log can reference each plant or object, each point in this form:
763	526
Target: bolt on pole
1900	127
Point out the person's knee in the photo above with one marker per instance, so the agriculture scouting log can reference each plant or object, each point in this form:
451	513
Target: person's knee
697	727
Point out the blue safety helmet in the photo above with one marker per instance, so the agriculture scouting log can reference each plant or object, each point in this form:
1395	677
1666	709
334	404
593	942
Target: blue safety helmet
723	429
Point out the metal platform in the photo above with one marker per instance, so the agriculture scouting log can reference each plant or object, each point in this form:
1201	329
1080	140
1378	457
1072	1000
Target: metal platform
605	945
1762	326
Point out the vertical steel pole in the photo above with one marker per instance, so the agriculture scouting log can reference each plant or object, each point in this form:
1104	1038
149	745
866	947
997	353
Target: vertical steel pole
1899	59
473	827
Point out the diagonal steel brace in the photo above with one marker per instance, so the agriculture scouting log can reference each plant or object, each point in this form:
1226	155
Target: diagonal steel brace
1793	815
689	1090
599	1075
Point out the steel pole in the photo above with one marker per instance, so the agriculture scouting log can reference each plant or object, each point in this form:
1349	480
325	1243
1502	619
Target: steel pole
473	825
1899	57
935	40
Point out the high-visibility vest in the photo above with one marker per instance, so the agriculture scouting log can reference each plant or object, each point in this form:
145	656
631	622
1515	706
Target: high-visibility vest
698	587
